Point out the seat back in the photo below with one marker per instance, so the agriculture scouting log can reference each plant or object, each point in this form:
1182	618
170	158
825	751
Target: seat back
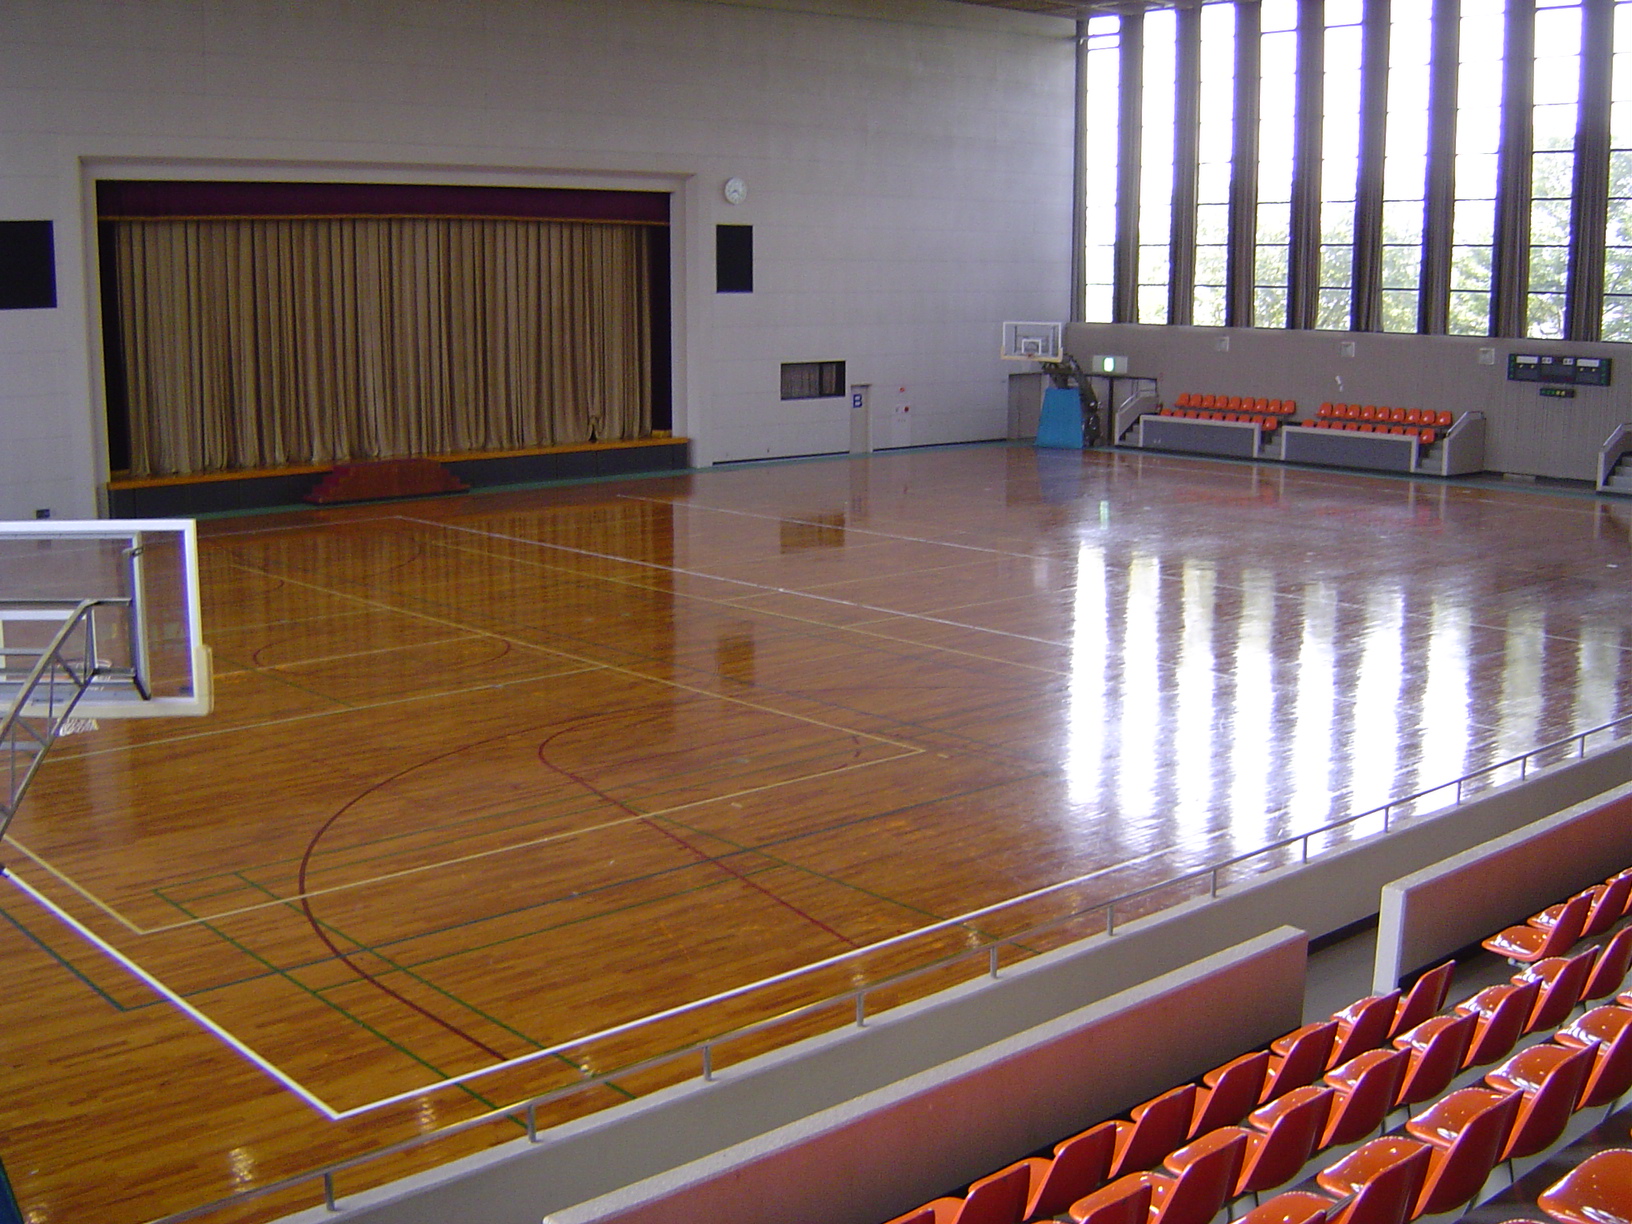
1362	1109
1389	1196
1572	920
1559	996
999	1198
1363	1026
1298	1208
1235	1091
1611	1074
1127	1202
1608	906
1285	1148
1544	1113
1609	970
1213	1163
1427	996
1456	1177
1500	1031
1437	1061
1080	1166
1303	1061
1163	1123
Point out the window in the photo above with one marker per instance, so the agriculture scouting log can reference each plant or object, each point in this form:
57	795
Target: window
812	379
1100	161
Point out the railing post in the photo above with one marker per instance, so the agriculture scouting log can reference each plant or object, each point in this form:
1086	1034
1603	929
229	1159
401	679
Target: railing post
992	956
532	1121
861	1010
1110	919
708	1061
328	1192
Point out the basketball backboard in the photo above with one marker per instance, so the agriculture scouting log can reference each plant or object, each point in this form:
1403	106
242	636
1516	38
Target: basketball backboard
145	626
1032	341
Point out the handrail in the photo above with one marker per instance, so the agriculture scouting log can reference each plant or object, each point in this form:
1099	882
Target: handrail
52	666
525	1112
1617	444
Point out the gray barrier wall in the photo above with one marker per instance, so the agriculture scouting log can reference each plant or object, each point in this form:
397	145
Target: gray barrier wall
1431	913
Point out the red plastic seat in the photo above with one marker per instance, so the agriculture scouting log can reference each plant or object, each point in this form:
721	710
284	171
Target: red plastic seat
1596	1191
1288	1209
1426	996
1501	1026
1543	1113
1455	1172
1274	1156
1608	970
1438	1046
997	1199
1609	902
1363	1025
1367	1087
1130	1204
1230	1092
1159	1126
1387	1197
1528	943
1443	420
1081	1164
1193	1196
1298	1057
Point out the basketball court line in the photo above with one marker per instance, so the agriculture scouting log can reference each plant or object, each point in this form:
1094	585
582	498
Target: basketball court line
858	629
458	860
557	1050
337	658
757	588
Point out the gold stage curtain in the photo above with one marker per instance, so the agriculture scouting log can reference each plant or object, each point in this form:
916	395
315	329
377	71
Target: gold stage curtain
270	343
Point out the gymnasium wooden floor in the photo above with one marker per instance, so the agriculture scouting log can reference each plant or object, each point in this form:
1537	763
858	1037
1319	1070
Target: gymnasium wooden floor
489	773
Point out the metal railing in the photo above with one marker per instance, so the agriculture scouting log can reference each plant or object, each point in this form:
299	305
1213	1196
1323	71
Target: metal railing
61	674
1616	446
1123	907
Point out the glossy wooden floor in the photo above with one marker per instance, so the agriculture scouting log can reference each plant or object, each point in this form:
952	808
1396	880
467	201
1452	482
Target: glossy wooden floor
491	772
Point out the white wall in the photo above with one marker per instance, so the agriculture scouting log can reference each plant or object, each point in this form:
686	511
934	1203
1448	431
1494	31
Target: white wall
909	177
1527	434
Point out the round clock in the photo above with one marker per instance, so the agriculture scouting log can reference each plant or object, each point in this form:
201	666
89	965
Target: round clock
736	191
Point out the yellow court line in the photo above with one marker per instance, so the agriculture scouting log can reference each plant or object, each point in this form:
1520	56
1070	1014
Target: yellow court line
456	861
589	665
337	658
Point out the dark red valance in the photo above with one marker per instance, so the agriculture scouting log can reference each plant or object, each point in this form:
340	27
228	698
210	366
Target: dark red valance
130	198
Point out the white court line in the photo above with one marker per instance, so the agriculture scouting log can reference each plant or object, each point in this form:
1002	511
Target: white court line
755	589
341	1115
171	997
456	861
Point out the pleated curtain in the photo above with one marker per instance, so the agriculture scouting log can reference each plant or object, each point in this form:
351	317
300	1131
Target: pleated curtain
255	343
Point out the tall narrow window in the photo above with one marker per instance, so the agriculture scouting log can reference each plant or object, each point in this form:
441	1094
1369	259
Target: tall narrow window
1103	91
1558	90
1405	164
1156	164
1478	137
1277	102
1215	145
1618	236
1340	161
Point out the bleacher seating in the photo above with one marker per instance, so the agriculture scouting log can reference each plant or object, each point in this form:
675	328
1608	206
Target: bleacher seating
1255	1122
1426	424
1267	414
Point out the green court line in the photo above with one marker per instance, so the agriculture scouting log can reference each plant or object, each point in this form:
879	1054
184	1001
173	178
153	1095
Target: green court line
63	961
557	926
366	1027
447	994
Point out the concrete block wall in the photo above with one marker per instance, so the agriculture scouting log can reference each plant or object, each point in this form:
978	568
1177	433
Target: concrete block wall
909	178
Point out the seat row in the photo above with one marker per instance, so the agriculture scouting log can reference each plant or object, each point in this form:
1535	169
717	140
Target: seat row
1237	403
1551	931
1425	436
1267	423
1253	1123
1386	416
